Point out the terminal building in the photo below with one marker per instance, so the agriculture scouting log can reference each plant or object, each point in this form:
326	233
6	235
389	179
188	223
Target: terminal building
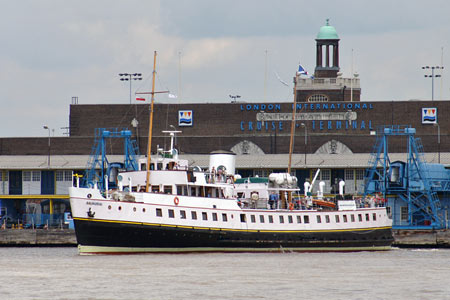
336	131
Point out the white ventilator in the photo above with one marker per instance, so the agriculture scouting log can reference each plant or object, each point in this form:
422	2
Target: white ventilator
306	185
321	188
341	187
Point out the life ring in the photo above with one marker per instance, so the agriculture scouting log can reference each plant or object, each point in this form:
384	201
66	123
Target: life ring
176	200
291	206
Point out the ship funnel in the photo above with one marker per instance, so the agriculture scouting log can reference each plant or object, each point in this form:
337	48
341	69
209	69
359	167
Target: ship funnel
223	160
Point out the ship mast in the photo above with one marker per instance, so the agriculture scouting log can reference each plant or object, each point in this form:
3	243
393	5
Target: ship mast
150	123
150	126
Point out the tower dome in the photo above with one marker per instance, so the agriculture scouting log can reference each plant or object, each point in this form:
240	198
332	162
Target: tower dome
327	32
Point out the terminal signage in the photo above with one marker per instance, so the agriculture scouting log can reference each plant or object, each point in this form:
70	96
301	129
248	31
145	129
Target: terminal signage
185	118
320	116
429	115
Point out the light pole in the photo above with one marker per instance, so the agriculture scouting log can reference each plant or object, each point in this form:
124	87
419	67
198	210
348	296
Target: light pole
432	76
439	141
306	137
130	77
48	159
234	97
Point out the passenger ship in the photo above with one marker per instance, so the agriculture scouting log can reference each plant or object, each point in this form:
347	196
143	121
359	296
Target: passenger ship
188	210
167	206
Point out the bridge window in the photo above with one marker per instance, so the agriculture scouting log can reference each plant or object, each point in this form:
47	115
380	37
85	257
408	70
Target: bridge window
167	189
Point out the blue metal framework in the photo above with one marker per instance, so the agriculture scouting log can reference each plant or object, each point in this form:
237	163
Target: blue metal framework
410	181
99	161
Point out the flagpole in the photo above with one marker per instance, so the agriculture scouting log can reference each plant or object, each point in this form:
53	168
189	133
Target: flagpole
179	76
442	68
265	77
291	143
351	81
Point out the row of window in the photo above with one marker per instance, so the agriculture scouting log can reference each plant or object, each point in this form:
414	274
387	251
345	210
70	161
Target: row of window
325	174
351	174
36	176
31	175
194	215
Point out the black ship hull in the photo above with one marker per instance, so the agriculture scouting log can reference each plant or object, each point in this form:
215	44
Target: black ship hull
101	236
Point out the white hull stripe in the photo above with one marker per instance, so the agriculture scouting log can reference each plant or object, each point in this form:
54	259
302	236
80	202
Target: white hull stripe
86	250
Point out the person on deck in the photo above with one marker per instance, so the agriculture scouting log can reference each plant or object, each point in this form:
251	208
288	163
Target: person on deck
273	200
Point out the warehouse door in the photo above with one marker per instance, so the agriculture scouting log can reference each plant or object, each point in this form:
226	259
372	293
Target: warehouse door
47	182
15	182
302	175
336	176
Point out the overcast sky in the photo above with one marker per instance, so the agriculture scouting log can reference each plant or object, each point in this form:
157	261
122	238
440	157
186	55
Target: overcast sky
53	50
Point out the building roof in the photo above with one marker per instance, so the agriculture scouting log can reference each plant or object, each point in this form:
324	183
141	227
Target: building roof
327	32
265	161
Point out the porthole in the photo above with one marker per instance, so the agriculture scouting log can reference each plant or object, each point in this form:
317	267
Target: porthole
109	206
89	196
134	208
143	210
120	207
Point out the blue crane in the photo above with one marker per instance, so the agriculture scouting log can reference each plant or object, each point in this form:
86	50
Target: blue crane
98	164
415	182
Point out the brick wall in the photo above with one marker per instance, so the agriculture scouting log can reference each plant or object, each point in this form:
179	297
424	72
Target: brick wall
223	125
